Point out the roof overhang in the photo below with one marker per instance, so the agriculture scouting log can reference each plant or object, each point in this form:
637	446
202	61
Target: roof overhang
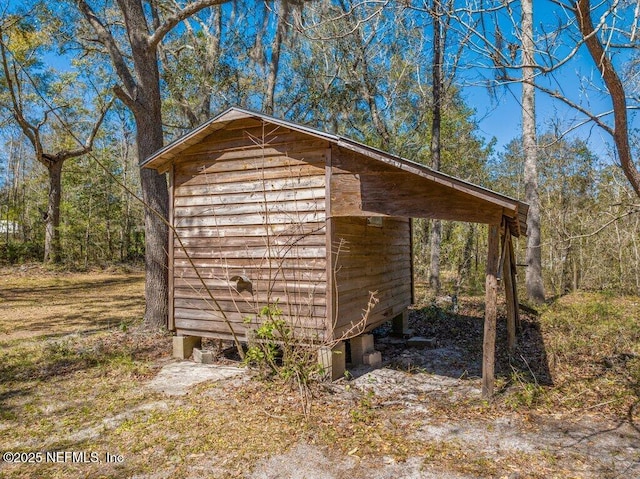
514	211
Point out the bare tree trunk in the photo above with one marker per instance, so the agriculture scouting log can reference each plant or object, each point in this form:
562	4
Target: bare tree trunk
434	265
533	277
436	231
10	188
52	161
52	218
149	139
616	92
87	233
274	65
139	89
125	232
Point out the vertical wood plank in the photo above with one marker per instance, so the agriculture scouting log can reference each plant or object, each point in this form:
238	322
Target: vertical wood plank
490	315
413	285
509	286
514	281
171	319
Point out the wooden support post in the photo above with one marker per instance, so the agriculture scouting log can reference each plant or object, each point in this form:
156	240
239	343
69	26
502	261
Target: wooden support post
509	291
490	312
514	282
171	323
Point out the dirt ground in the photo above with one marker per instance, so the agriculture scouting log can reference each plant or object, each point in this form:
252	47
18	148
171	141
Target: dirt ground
78	374
506	445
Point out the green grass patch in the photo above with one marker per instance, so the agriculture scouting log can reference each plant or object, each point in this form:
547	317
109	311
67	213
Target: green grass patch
592	347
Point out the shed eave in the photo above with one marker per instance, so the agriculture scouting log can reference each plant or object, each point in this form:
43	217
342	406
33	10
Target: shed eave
512	208
162	157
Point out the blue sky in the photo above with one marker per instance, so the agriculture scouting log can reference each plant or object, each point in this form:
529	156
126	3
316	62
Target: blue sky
500	117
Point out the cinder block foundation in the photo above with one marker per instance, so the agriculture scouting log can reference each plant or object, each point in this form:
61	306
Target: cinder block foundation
204	357
333	360
361	345
183	346
421	343
373	359
400	325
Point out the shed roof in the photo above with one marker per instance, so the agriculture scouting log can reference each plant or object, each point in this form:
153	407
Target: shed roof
514	210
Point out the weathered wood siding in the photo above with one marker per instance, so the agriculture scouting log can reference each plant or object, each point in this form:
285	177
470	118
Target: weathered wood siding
370	257
363	185
249	201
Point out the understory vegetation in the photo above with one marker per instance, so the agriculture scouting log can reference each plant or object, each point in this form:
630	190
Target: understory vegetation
355	69
82	384
89	90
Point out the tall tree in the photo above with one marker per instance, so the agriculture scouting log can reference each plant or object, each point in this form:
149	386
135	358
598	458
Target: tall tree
274	64
603	61
568	198
533	277
612	45
436	116
134	58
37	117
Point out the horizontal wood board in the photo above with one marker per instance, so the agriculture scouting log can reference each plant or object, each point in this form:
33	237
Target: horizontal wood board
370	258
250	202
365	187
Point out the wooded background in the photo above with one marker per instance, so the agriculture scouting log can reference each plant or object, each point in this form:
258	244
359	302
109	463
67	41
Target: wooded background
81	81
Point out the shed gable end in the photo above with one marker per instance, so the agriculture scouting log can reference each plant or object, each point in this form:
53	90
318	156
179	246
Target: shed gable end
249	205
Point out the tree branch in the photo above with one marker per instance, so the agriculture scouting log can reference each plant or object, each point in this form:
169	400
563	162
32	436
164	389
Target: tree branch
106	38
191	9
601	228
30	131
616	91
593	117
88	145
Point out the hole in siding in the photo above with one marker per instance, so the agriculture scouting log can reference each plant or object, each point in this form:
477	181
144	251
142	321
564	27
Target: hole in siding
242	284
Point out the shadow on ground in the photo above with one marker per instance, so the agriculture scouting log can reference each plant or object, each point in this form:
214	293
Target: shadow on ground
455	348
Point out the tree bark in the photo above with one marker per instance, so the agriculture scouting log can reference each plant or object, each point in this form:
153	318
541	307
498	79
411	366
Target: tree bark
533	277
616	91
52	219
434	265
139	89
274	65
436	110
156	196
149	138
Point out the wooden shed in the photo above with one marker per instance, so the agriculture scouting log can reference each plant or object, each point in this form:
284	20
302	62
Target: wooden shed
268	212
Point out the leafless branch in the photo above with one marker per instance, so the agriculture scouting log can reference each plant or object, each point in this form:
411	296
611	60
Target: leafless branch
88	144
604	226
596	118
30	131
611	79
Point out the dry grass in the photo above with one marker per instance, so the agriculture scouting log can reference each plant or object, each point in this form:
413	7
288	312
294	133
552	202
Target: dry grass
74	365
592	343
41	302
